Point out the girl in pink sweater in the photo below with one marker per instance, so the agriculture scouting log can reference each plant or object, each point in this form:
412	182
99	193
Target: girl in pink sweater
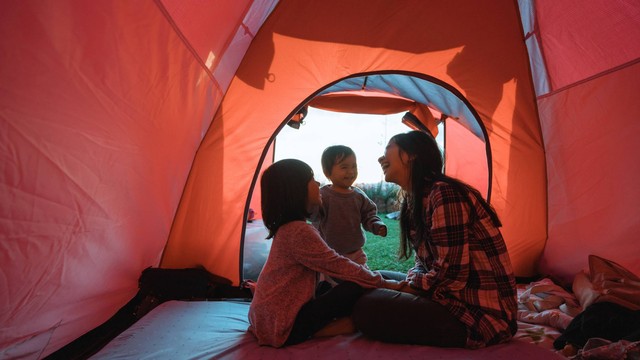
284	309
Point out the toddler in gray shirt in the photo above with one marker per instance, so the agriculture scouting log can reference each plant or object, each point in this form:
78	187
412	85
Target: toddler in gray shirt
345	210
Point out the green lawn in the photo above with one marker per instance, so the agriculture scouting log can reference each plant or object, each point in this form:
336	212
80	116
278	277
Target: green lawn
383	251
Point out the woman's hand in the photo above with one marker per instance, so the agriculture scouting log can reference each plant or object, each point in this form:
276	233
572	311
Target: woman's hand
402	286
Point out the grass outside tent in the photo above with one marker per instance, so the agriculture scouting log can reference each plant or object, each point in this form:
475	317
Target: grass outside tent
382	252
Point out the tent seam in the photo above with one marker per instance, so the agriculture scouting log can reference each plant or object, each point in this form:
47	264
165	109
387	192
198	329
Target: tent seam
186	43
230	38
534	35
590	78
543	56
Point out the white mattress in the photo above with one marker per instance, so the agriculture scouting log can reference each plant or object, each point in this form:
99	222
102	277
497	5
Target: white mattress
217	330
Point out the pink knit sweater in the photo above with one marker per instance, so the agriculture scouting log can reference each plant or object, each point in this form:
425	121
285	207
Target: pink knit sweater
288	280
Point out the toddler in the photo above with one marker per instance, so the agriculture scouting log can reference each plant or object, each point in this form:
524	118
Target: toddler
345	209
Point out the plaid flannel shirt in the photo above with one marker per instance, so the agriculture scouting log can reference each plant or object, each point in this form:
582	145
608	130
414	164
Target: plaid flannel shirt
465	267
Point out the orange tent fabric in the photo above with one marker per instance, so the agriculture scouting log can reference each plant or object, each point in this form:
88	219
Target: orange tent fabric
267	90
134	133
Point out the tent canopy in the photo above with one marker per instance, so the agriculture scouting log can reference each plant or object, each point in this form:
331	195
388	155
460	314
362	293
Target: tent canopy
134	133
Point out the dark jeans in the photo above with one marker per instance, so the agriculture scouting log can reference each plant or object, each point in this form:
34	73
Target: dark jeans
336	302
398	317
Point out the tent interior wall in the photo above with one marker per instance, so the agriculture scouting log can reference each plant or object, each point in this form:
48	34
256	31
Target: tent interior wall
132	132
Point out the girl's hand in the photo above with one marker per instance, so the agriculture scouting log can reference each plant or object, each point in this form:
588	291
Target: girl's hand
382	231
393	285
408	289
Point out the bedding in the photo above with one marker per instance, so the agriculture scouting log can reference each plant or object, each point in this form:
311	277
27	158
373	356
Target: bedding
217	330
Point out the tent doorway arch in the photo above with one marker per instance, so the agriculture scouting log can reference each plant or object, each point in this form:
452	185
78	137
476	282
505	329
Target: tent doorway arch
430	103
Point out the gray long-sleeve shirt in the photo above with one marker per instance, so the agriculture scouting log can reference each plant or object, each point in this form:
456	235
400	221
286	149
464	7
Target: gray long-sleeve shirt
340	217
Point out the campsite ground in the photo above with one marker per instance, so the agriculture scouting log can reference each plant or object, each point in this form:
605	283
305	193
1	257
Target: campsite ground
383	251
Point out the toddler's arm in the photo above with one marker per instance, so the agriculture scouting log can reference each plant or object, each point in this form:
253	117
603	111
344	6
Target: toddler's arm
369	217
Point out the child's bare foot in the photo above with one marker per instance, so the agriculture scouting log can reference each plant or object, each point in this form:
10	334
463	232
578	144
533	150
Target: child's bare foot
338	326
569	350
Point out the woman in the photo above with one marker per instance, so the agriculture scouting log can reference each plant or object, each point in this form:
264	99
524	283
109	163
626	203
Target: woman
461	291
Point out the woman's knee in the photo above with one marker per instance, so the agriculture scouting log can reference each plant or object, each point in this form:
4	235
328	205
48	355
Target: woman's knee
372	308
397	317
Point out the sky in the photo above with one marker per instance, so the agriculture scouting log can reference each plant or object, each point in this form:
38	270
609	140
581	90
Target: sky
367	135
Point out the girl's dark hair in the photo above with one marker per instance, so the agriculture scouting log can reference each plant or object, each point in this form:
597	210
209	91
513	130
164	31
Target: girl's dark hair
425	169
332	155
284	187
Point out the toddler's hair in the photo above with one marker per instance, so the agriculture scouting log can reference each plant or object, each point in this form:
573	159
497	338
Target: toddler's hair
332	155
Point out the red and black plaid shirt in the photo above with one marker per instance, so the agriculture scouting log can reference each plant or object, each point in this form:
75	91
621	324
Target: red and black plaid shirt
465	266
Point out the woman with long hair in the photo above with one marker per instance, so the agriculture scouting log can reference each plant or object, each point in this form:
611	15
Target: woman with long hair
461	291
